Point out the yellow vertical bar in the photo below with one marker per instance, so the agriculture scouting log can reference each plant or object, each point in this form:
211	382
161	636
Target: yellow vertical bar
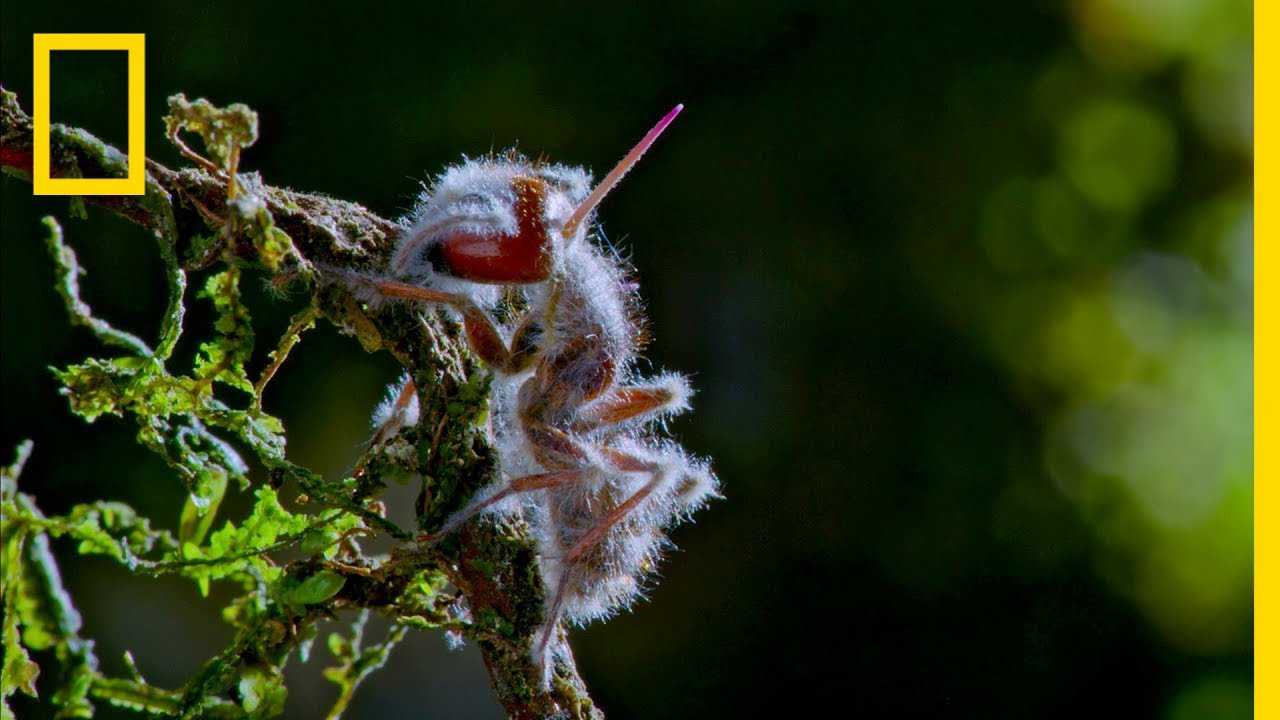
40	45
137	114
1266	599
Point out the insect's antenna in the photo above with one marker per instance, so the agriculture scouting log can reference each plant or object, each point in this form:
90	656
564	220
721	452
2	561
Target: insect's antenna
571	225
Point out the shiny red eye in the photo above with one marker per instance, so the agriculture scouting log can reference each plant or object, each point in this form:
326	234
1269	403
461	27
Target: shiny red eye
520	257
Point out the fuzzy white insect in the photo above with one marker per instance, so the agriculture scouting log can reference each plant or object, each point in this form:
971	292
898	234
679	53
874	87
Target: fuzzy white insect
578	431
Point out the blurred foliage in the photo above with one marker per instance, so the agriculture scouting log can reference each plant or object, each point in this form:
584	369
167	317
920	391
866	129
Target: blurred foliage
1129	300
967	289
1117	288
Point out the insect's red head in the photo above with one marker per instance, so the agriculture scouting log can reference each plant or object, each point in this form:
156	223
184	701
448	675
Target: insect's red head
525	255
504	223
522	256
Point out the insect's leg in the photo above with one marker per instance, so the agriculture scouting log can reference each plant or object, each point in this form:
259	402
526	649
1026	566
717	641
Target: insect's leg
628	463
395	419
527	483
407	291
552	622
482	332
525	342
661	475
631	401
554	447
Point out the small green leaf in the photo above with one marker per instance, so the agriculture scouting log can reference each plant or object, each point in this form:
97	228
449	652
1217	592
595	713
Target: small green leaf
198	512
339	646
136	695
315	589
19	672
320	541
93	388
262	693
72	698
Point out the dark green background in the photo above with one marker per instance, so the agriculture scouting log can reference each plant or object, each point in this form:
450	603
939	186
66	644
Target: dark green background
884	239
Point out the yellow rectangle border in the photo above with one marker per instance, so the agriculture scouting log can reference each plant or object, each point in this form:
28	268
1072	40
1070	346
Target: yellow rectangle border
134	46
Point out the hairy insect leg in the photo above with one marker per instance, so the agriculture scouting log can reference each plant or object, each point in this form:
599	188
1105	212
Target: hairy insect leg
593	537
392	415
597	533
632	401
483	335
692	485
396	415
552	623
527	483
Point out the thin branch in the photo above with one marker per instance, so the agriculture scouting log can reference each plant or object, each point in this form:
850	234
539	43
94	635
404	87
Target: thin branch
337	232
303	321
69	272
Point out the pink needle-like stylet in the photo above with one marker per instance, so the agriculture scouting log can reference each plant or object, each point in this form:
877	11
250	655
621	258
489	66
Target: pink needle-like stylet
624	165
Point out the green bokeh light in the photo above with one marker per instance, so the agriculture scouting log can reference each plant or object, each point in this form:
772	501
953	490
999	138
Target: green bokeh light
1118	154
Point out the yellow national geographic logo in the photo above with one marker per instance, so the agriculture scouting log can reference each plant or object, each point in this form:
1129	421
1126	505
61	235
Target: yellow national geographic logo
134	46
